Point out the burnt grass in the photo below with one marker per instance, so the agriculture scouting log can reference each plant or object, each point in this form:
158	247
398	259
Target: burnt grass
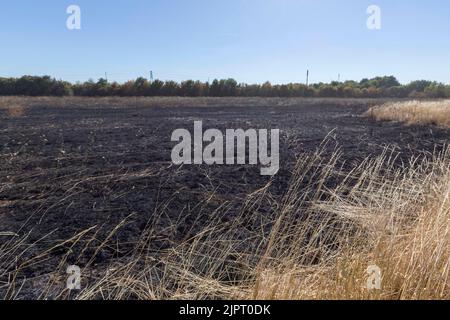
66	169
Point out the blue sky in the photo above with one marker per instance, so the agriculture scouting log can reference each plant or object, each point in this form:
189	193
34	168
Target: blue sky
249	40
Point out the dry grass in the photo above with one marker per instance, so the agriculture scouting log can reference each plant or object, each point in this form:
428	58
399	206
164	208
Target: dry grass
15	111
316	243
120	102
414	112
400	221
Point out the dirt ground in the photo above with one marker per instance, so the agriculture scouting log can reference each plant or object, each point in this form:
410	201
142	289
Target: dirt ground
66	169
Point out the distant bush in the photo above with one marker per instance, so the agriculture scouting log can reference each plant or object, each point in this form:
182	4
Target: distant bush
387	87
34	86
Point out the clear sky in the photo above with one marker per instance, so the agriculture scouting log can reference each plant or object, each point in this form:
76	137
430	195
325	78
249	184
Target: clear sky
250	40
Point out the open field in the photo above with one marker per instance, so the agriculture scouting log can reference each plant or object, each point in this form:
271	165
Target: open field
90	182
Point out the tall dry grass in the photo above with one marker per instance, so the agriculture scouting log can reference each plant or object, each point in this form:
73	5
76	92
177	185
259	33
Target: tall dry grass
397	220
414	112
315	243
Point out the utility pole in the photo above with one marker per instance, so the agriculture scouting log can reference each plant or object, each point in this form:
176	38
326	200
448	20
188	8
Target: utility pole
106	77
339	77
307	78
151	76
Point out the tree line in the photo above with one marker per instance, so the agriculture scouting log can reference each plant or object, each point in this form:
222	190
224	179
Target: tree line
387	86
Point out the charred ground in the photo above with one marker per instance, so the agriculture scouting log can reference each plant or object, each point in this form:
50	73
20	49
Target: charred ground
65	169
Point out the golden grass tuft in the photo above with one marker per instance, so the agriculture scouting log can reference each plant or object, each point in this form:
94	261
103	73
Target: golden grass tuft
414	112
15	111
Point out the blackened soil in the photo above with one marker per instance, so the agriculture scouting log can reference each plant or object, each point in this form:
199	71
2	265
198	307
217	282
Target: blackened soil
64	170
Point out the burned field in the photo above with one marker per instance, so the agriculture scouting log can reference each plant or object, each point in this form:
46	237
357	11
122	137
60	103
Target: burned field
101	175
